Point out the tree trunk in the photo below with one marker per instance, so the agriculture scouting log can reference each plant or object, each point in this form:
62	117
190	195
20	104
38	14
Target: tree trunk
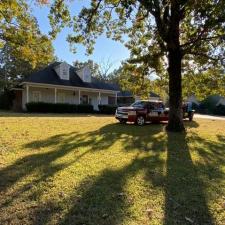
175	91
174	58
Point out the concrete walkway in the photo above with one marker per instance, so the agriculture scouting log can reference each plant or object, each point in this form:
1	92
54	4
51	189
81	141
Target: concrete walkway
209	117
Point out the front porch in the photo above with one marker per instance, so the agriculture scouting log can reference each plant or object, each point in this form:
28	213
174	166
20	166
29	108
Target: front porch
70	95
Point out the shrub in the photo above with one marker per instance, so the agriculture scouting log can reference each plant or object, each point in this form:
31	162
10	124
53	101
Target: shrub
220	110
107	109
6	99
85	108
43	107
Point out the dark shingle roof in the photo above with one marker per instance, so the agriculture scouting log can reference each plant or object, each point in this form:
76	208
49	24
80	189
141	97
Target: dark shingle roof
49	76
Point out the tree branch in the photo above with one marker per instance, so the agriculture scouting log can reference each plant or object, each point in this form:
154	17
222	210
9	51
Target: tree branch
94	11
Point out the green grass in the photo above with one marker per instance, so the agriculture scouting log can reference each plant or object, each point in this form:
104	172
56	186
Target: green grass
91	170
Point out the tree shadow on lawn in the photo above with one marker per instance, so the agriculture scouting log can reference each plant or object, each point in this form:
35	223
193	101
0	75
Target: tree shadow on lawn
102	200
185	200
185	189
41	167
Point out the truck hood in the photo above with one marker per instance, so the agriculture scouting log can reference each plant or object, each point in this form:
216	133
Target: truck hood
126	108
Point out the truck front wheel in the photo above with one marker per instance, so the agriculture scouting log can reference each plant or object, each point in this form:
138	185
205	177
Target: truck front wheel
123	121
140	120
190	116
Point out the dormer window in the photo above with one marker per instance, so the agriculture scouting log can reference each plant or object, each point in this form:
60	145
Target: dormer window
85	74
63	71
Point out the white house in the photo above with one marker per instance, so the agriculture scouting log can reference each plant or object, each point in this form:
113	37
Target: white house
61	83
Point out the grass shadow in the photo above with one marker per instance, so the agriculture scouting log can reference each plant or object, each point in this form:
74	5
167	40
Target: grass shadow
102	199
185	201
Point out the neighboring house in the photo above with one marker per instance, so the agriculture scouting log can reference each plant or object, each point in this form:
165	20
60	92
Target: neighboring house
62	83
221	102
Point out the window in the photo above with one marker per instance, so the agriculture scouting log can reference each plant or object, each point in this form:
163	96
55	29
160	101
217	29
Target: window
111	100
84	99
61	97
139	104
36	96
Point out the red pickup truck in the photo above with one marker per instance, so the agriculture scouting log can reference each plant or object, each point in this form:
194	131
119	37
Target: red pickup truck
141	112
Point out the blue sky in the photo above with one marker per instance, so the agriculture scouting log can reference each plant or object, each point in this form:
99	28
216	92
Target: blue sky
105	49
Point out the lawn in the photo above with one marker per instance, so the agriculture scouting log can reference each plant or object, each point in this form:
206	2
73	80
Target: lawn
90	170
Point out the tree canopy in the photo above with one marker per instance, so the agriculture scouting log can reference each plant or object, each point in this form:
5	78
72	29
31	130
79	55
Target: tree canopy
170	33
23	47
172	38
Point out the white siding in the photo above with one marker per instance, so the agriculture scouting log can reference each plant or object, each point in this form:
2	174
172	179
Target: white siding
47	94
24	99
71	97
104	99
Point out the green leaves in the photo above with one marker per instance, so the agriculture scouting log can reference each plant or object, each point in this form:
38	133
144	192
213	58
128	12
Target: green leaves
22	46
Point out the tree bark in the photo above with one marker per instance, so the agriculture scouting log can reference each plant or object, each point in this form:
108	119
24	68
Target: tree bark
174	58
175	123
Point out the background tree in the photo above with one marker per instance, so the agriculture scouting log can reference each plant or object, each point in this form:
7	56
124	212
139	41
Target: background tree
204	83
135	79
100	71
175	29
94	67
22	46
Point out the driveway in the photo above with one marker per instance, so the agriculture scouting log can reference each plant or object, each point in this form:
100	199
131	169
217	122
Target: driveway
209	117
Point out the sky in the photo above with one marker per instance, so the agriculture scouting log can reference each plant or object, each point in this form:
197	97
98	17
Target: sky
105	49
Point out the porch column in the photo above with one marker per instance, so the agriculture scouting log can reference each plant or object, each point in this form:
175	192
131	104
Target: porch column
99	98
116	99
79	96
55	95
27	89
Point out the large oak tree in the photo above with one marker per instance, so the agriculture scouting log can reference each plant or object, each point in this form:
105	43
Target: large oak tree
175	31
155	28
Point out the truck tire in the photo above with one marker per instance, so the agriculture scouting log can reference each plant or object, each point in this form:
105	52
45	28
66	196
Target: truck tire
122	121
190	116
140	120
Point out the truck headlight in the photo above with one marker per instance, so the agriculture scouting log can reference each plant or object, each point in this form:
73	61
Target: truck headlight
132	113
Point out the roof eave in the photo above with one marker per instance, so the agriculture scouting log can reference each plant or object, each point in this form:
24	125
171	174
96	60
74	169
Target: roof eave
67	87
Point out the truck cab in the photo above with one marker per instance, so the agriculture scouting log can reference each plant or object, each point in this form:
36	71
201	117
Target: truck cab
144	111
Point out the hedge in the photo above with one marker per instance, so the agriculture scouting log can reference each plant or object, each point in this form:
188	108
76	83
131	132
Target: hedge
107	109
42	107
6	99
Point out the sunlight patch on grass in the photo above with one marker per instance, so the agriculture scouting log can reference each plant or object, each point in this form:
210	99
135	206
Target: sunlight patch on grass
63	169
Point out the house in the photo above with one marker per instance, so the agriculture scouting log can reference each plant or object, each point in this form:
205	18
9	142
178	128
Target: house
221	102
60	82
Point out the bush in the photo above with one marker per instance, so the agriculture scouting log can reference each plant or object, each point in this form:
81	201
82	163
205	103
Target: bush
6	99
220	110
42	107
85	108
107	109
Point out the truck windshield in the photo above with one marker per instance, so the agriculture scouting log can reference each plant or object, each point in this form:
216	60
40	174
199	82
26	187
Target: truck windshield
138	104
